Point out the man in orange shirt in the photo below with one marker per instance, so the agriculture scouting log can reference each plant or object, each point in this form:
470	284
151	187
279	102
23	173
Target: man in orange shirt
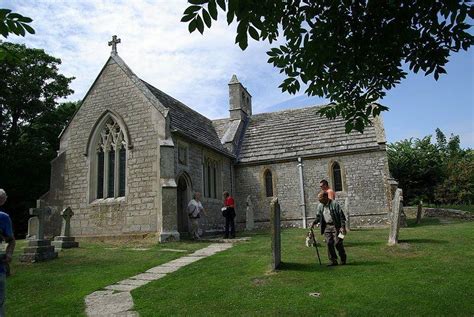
325	187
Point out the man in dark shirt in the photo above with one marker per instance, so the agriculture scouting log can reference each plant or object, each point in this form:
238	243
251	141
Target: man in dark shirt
331	219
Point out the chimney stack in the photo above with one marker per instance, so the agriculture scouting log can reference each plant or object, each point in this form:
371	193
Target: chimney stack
240	101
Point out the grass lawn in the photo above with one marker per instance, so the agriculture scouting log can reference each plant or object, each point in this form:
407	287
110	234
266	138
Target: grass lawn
430	273
58	287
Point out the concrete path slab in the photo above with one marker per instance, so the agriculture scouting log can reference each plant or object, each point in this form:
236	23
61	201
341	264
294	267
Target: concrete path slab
134	282
116	299
148	276
121	287
164	269
108	303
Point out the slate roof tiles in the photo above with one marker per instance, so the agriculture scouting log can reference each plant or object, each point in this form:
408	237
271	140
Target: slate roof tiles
299	132
188	122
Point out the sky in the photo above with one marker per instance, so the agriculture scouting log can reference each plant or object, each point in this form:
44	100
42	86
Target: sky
196	69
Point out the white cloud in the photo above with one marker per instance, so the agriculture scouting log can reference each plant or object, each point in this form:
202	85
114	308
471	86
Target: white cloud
190	67
156	45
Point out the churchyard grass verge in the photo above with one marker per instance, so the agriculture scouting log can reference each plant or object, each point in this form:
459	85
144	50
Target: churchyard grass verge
58	287
428	273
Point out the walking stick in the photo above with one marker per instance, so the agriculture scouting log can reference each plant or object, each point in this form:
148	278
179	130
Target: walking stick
315	245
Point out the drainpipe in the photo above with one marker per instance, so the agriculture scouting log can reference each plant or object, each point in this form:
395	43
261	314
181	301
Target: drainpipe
302	204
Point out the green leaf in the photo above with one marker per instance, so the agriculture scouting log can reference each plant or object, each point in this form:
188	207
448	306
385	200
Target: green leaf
191	9
253	33
192	26
14	16
21	30
187	18
29	29
359	125
348	126
221	4
199	24
212	9
242	40
3	29
230	16
3	13
25	19
207	18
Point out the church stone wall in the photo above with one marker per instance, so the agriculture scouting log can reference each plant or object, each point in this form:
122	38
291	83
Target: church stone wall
364	197
213	221
137	212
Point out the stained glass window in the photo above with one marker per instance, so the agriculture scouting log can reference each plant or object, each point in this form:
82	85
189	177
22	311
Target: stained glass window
111	161
122	158
100	174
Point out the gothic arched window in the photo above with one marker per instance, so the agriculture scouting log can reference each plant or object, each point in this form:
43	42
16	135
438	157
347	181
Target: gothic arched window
268	183
337	177
110	160
211	177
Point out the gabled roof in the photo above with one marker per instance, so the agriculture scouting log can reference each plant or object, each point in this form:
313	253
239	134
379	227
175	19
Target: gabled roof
183	120
300	132
189	123
114	58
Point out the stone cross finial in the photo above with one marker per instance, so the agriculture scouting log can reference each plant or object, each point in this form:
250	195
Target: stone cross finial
66	228
114	43
41	212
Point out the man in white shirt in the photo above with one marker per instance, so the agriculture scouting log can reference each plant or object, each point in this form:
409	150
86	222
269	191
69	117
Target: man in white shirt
194	210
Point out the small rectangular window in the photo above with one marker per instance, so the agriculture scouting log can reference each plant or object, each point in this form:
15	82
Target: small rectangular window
183	155
209	185
215	182
268	183
204	184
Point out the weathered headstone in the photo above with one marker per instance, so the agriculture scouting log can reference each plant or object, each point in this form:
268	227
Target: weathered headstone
39	249
397	209
65	241
419	212
276	233
250	223
32	228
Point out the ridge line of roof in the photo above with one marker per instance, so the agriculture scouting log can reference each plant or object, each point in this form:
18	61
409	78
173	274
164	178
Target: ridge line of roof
180	102
282	110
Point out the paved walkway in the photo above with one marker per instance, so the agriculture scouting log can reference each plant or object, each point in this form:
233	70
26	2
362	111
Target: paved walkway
116	300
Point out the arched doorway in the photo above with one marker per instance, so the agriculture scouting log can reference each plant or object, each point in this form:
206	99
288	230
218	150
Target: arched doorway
184	196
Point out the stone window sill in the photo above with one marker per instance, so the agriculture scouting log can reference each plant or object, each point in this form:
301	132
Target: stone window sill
108	201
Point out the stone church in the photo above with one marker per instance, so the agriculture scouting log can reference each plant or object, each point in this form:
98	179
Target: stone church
131	157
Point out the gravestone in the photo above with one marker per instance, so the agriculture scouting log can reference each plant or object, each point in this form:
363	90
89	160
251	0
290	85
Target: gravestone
250	223
32	228
419	212
65	241
39	249
276	233
397	209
